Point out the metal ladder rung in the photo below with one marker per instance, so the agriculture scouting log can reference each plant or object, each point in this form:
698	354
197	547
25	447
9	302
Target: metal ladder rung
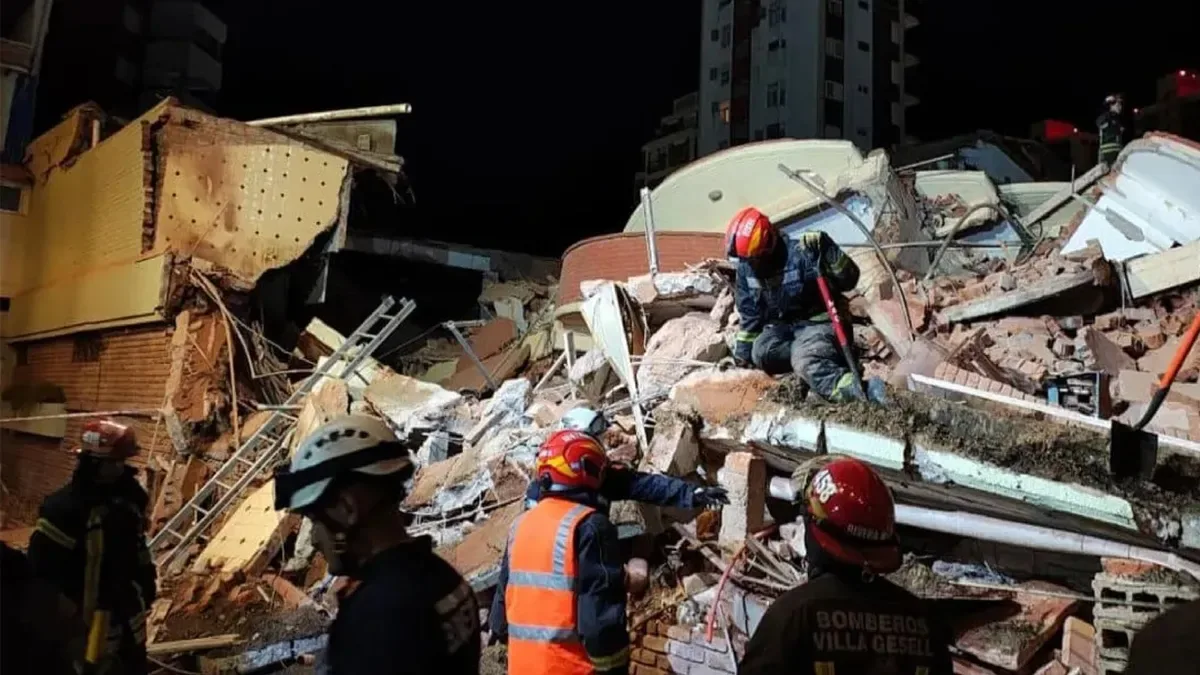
269	442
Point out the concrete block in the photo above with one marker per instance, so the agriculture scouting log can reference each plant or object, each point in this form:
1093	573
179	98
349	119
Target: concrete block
1108	666
718	644
693	337
1113	638
675	664
721	662
870	447
745	477
1108	587
746	609
675	449
686	650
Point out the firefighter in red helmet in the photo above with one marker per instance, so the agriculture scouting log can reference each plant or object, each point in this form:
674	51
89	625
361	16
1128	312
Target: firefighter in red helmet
847	618
90	542
785	325
560	601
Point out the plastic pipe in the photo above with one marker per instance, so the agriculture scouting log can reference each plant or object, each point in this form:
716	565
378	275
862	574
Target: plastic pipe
1036	537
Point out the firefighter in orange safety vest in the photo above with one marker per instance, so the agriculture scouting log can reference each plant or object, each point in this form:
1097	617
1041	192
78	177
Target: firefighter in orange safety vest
560	601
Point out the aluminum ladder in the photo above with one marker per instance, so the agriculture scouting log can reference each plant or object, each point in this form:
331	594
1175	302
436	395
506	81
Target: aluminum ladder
264	447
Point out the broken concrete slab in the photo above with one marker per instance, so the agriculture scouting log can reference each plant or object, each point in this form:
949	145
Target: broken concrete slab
477	557
410	405
693	337
1034	292
719	395
250	537
1137	387
329	399
1011	642
506	408
500	367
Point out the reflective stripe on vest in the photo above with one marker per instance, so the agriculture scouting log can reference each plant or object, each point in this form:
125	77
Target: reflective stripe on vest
540	597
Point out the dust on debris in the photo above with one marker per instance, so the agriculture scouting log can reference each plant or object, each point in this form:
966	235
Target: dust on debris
494	660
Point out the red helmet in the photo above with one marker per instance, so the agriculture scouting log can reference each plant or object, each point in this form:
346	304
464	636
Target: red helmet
108	439
750	234
570	460
852	516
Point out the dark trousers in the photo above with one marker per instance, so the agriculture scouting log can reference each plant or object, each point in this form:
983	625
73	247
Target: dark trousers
811	351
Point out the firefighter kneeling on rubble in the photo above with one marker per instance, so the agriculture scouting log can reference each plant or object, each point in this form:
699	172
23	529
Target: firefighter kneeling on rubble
411	612
560	601
784	322
90	543
622	482
847	618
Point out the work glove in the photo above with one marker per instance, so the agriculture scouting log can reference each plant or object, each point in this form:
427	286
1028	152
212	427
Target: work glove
811	241
731	362
710	497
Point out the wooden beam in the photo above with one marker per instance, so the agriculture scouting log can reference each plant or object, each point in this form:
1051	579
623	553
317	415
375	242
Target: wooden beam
180	646
1155	273
1041	290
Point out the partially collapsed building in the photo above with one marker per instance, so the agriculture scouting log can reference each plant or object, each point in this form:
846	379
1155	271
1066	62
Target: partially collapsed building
1013	322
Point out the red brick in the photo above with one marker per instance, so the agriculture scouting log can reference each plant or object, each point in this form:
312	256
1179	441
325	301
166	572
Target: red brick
1124	567
1110	321
623	255
994	386
1079	645
973	380
976	290
655	642
639	669
645	656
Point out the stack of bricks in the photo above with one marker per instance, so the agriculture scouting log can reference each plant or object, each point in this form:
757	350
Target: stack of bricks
664	649
1116	624
952	373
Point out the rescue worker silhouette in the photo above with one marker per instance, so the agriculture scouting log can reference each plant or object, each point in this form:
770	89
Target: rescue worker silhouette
785	326
847	619
622	482
410	611
1112	129
40	630
560	600
90	543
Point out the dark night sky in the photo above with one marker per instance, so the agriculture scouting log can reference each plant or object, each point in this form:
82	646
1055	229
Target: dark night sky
528	118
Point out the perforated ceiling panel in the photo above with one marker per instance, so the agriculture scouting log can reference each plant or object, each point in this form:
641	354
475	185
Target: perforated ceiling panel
243	198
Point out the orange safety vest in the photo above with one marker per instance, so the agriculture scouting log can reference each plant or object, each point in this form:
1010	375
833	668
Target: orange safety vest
540	598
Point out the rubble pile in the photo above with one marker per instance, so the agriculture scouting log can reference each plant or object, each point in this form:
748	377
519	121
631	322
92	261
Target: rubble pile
1004	372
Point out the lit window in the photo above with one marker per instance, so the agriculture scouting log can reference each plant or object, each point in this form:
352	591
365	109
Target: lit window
724	111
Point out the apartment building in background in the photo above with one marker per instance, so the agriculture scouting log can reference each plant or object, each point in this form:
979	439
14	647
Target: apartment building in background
1176	107
805	69
126	55
673	145
183	54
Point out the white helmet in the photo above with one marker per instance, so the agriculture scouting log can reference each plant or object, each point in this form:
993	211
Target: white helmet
351	443
586	420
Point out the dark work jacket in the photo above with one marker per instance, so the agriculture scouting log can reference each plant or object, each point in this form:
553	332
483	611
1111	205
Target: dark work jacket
599	587
38	633
623	483
790	295
871	627
104	524
1111	129
411	613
